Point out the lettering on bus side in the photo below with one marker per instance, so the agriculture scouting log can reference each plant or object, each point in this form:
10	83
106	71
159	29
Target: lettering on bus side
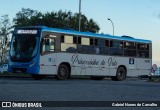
76	59
110	61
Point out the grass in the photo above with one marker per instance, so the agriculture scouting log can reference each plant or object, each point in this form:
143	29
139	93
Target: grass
6	74
155	79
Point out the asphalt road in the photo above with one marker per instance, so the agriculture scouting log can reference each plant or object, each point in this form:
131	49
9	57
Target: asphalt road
50	89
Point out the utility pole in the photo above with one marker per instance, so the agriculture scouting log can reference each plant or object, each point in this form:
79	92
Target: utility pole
79	15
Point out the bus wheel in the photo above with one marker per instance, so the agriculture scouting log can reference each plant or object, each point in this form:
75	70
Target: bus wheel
121	74
37	76
63	72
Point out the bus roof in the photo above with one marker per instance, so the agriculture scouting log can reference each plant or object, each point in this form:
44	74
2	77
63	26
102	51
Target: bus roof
90	34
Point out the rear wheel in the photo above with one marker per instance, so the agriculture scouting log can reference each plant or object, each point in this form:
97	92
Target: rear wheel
63	72
121	74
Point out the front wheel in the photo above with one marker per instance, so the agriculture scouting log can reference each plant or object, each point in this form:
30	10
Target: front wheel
121	74
63	72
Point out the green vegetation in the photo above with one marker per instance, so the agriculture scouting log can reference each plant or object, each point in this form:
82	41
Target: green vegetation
5	30
155	79
60	19
5	74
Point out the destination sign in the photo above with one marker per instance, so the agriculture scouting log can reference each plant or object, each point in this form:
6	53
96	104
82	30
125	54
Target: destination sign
26	31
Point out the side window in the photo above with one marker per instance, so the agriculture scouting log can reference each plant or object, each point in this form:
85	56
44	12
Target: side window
129	45
100	46
75	39
85	41
62	39
95	41
85	45
91	41
68	43
48	45
143	47
143	51
106	47
130	49
116	48
79	40
107	43
68	39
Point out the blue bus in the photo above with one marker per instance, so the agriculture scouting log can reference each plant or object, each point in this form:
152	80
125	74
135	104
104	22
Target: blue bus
42	51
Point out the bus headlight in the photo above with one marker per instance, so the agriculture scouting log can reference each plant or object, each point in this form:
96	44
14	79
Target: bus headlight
32	64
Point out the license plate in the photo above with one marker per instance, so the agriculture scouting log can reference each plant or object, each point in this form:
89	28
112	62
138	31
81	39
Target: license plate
18	71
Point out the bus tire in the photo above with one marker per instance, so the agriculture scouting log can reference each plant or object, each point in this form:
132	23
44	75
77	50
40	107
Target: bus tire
63	72
121	74
37	76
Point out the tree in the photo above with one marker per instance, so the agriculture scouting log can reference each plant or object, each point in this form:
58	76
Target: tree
92	26
26	17
60	19
5	30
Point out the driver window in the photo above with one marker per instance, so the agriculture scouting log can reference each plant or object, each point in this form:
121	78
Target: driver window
48	45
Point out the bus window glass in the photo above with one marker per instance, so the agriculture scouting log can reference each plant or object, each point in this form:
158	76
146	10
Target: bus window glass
99	47
24	47
129	45
62	39
116	48
95	41
143	50
74	40
101	42
85	41
107	43
79	40
91	41
48	44
130	49
68	39
86	46
129	52
69	44
143	47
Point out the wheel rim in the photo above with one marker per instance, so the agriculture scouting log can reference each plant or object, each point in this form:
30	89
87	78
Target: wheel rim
121	74
63	72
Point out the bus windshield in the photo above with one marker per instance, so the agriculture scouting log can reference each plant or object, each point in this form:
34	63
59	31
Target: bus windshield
24	47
